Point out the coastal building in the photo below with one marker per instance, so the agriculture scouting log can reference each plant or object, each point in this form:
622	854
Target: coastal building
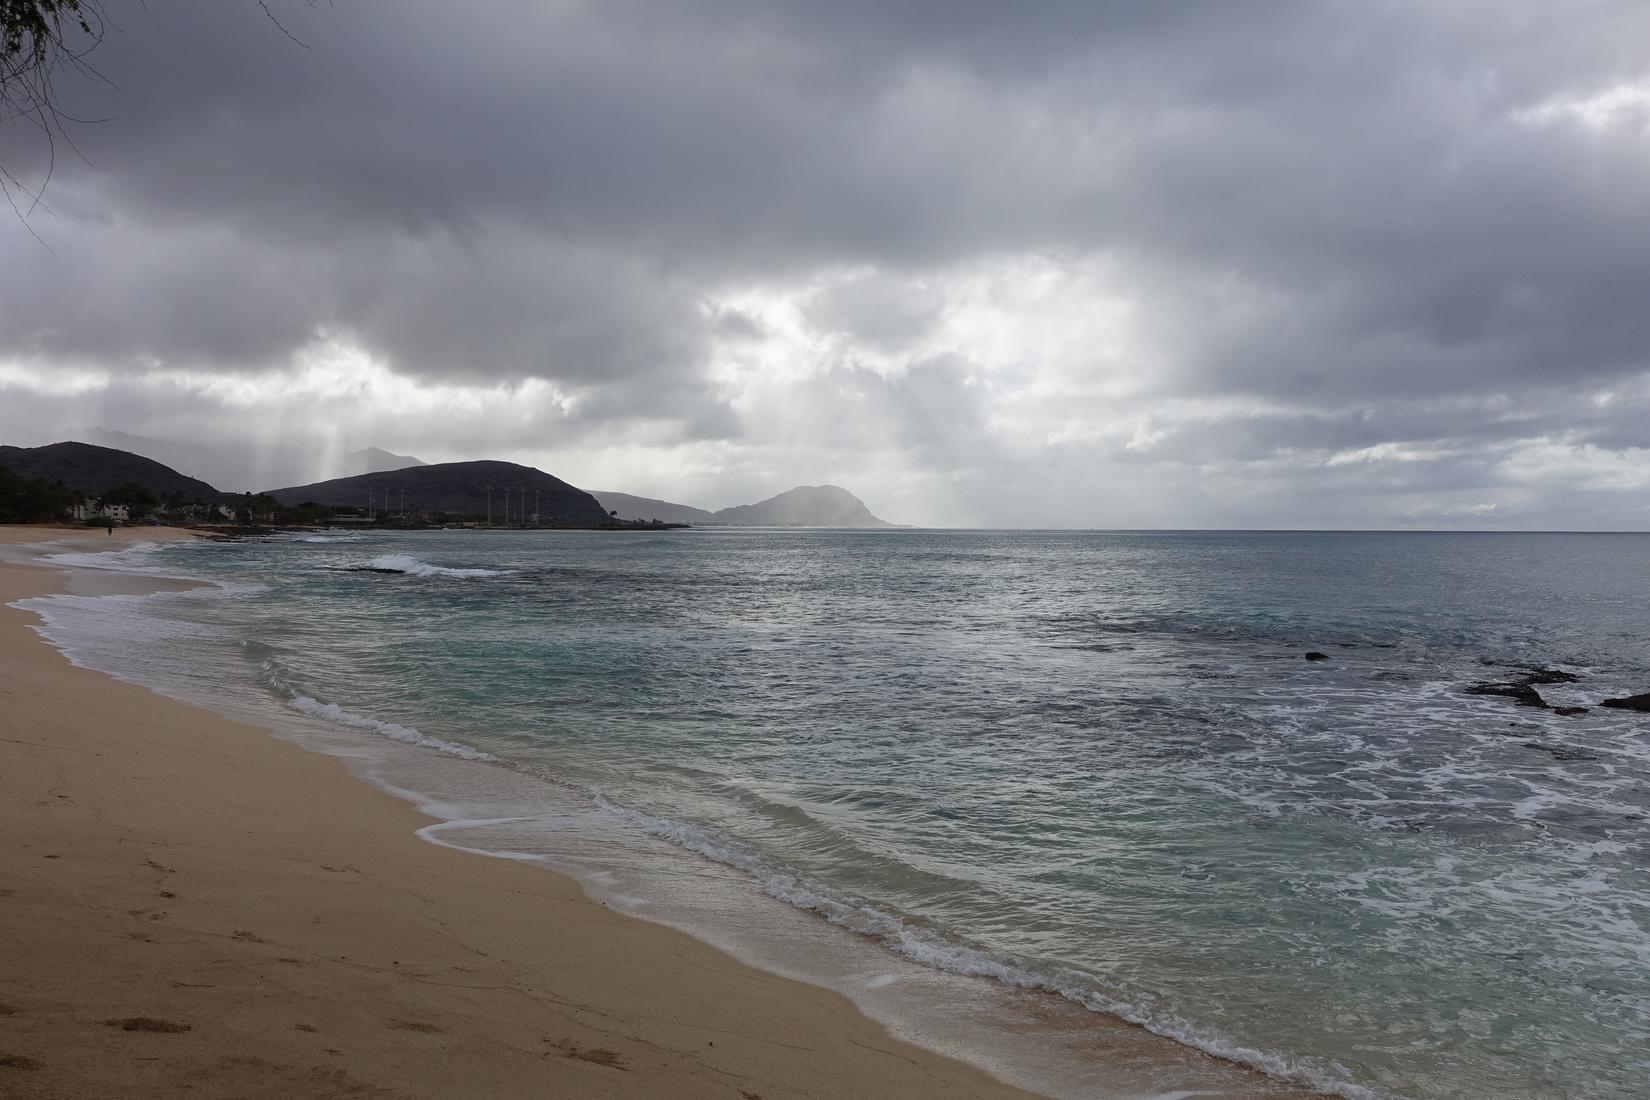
97	509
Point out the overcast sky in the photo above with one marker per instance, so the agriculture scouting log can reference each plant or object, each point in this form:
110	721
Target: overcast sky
1006	264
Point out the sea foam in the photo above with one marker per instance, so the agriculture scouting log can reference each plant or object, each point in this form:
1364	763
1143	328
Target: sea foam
337	715
131	558
927	949
406	563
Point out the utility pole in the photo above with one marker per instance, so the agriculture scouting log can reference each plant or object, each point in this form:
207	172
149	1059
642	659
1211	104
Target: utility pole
489	489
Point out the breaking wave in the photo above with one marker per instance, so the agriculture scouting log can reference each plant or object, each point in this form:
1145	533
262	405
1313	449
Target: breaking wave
132	558
930	950
337	715
406	563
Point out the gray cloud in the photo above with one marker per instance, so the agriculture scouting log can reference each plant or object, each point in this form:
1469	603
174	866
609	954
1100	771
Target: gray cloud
1372	260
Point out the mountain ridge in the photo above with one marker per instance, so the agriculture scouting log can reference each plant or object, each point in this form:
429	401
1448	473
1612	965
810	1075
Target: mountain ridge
246	468
92	470
461	488
803	506
376	460
646	508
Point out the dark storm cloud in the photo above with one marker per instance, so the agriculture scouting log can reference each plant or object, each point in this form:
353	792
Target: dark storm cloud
1368	221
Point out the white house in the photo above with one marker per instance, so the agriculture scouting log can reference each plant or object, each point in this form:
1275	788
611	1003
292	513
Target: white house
96	509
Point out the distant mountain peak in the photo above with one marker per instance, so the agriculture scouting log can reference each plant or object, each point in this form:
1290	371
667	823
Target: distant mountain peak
376	460
803	506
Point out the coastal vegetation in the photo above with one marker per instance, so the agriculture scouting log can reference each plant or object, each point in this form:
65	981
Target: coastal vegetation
33	500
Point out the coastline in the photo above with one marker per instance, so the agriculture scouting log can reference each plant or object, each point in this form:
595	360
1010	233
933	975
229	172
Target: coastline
171	869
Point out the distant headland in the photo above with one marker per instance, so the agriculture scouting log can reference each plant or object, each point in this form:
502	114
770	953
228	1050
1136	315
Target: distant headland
77	481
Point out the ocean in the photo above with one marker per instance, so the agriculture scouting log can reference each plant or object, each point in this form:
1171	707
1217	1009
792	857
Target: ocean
1055	776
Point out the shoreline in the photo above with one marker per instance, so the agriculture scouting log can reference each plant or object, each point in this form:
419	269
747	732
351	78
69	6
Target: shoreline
191	902
1039	1039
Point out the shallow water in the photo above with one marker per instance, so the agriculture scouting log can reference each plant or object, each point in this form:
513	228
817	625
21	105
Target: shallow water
1092	763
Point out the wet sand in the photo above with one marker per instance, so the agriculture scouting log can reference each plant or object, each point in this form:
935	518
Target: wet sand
190	906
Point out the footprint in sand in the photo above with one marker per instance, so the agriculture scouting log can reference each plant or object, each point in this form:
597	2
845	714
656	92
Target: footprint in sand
612	1059
147	1023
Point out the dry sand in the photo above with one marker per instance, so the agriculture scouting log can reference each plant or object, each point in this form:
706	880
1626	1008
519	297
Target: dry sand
189	906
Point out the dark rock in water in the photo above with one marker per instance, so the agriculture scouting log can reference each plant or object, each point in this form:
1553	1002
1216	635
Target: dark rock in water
1314	655
1569	711
1629	702
1559	752
1533	674
371	569
1522	694
1521	689
1548	676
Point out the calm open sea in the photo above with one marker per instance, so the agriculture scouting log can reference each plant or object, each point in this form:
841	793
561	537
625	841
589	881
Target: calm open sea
1094	764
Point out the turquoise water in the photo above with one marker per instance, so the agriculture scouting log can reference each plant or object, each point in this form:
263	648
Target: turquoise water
1093	763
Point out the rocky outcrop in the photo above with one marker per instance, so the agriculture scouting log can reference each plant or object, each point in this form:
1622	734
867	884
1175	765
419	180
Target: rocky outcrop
1534	676
1521	688
1522	694
1629	702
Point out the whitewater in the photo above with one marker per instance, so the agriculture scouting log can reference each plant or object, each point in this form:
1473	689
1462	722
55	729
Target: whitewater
1094	766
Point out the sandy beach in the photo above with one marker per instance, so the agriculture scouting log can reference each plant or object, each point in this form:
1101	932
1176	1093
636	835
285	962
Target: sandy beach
189	906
